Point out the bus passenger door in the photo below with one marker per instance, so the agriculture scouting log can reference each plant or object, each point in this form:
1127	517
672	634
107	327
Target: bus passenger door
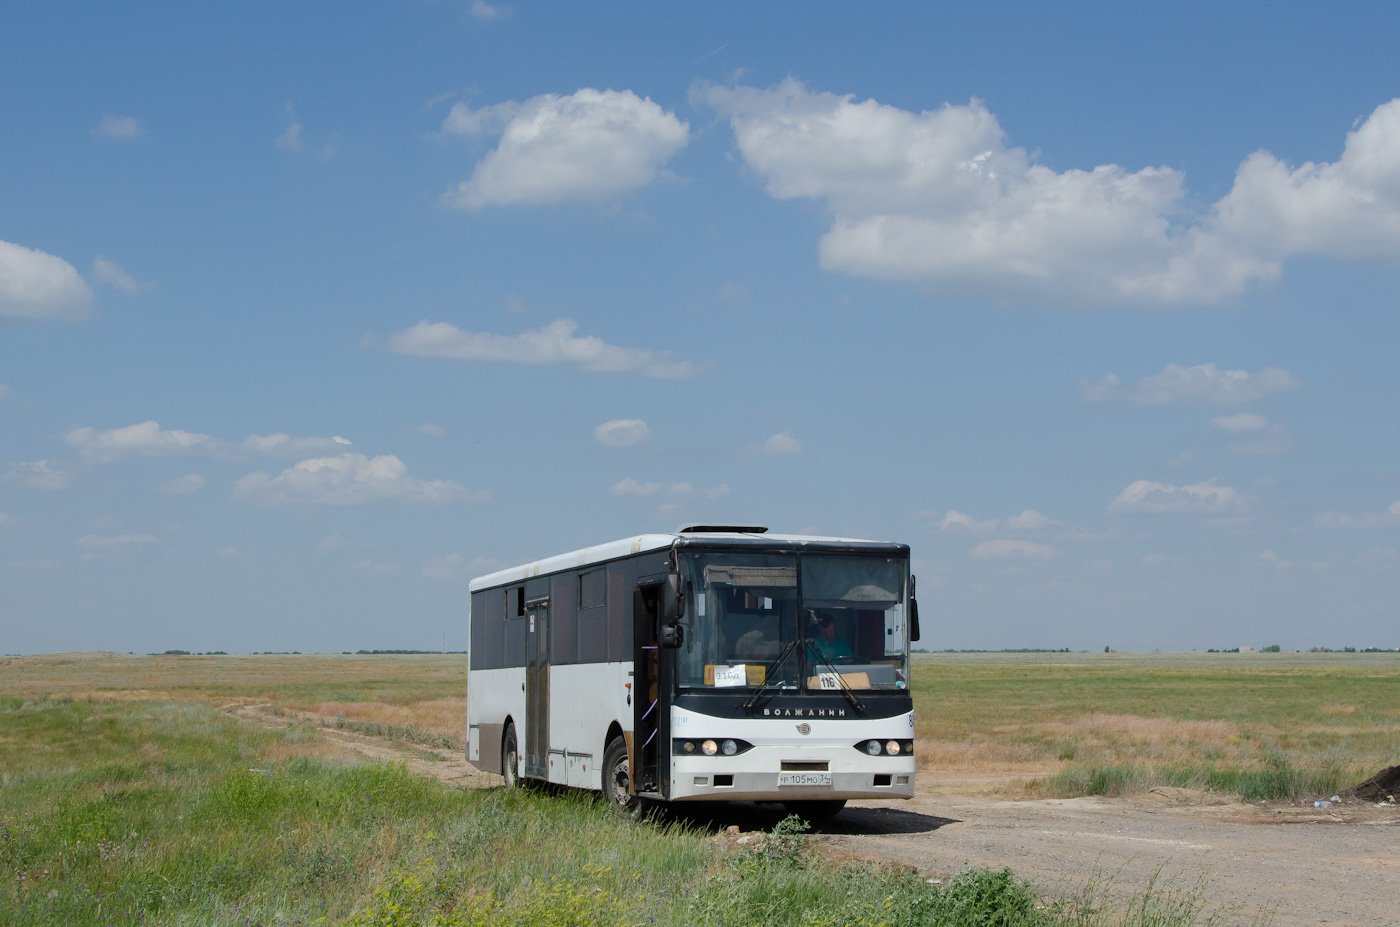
537	688
648	705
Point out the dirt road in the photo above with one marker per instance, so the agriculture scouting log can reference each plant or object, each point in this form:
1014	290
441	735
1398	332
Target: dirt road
1306	867
1339	866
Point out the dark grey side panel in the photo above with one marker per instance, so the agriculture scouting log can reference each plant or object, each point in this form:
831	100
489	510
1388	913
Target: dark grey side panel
563	615
490	740
488	648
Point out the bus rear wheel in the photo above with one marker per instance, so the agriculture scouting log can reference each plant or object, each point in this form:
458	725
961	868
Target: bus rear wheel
617	782
815	812
510	758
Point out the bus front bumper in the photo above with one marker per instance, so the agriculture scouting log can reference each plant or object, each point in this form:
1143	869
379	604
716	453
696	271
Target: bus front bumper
759	775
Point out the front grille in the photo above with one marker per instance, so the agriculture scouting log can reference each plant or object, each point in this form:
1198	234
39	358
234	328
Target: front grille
804	766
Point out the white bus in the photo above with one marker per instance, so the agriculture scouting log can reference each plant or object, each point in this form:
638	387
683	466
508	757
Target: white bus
716	663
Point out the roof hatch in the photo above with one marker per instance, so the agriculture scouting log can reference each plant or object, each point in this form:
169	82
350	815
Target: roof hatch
722	529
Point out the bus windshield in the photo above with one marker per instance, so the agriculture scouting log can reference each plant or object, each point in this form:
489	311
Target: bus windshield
797	622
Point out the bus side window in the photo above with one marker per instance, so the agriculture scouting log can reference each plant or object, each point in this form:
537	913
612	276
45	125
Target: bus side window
515	603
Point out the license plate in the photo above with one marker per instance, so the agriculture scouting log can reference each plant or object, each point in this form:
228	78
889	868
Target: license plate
804	778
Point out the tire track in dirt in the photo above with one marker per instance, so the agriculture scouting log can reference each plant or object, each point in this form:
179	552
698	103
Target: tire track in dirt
434	762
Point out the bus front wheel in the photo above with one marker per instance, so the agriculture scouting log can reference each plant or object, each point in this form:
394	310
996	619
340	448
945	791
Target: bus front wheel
816	812
617	781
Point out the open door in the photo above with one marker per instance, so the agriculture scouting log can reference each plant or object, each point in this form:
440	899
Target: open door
647	703
537	688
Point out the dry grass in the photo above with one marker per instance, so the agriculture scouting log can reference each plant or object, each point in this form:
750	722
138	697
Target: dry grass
979	755
319	747
1288	721
445	716
1158	716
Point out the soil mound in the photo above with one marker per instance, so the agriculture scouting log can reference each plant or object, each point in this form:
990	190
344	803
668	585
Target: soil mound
1380	786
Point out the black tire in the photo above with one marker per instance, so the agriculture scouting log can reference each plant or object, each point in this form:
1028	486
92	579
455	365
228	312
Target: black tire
510	758
815	812
617	782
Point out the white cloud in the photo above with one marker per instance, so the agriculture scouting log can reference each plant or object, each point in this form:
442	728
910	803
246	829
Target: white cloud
145	438
630	487
183	485
1201	383
281	445
120	540
488	12
112	126
350	479
6	393
1028	520
1257	435
442	567
956	519
1348	209
290	140
1147	497
1004	548
781	443
148	439
8	519
939	199
112	275
37	475
36	285
555	343
1391	516
1241	421
585	147
622	432
431	430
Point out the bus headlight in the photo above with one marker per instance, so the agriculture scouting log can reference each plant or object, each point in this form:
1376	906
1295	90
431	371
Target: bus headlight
715	746
886	747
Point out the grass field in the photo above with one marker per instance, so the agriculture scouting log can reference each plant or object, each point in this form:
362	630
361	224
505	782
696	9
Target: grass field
137	811
1276	726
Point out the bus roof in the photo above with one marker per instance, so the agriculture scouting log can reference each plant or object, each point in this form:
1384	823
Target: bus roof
643	543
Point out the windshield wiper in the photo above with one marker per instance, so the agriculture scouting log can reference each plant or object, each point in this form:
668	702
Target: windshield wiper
768	675
846	690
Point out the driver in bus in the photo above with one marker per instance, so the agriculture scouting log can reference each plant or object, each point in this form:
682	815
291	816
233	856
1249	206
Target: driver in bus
832	646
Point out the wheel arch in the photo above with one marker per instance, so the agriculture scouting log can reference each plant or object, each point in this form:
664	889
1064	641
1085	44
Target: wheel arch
614	732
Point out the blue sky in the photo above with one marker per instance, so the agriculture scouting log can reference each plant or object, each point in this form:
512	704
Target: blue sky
309	313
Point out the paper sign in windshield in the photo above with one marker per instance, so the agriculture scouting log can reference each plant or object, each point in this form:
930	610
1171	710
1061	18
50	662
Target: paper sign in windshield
727	676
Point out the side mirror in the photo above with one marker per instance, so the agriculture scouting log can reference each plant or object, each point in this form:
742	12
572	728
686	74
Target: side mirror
913	612
671	601
673	598
670	634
